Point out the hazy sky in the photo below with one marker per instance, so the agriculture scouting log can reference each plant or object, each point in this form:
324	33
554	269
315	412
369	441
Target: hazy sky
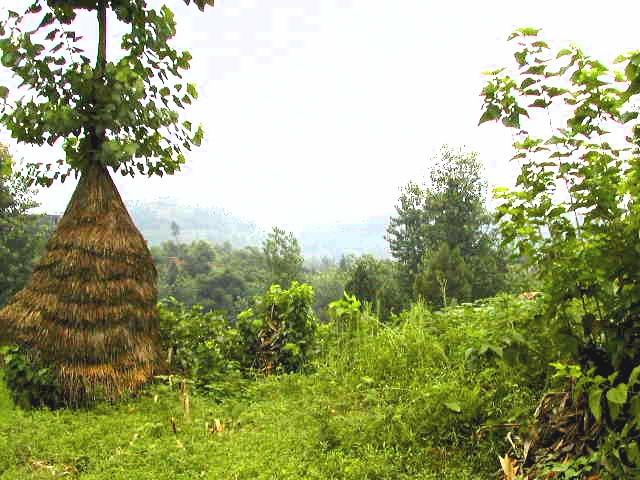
318	111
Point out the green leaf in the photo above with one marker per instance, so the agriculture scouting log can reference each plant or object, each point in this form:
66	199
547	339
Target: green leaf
191	90
540	44
46	20
563	52
512	120
491	113
535	70
627	116
57	47
521	58
493	72
453	406
540	103
620	58
8	59
595	405
52	34
524	31
633	378
555	91
618	395
197	138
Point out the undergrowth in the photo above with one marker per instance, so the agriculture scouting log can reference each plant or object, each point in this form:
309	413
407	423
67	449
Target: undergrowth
424	398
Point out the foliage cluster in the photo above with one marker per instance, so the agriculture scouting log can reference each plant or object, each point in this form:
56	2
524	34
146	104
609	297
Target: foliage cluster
225	279
276	335
613	407
413	377
442	237
222	278
121	113
575	215
389	401
31	383
217	277
283	258
279	329
377	282
22	236
202	346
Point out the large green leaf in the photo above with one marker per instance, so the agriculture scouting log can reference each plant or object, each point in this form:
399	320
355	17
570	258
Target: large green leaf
595	405
618	395
453	406
491	113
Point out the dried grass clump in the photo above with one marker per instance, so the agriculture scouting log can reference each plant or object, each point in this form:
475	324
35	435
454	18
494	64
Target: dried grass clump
89	309
563	430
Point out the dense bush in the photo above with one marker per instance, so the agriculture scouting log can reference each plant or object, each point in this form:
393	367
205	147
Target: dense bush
574	215
31	383
444	279
276	335
328	285
201	346
22	235
279	331
377	282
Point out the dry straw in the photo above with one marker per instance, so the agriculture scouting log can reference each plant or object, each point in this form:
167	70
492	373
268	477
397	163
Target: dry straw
89	309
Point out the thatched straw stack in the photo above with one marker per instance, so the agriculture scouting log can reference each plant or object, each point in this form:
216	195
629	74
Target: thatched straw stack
89	309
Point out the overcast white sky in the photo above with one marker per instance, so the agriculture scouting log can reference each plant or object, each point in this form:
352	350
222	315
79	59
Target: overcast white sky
318	111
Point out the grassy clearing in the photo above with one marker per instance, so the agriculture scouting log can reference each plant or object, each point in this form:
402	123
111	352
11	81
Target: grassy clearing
382	403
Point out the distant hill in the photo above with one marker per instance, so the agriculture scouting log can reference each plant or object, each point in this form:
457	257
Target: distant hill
218	226
196	223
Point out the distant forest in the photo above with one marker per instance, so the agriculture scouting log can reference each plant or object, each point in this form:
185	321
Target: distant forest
217	225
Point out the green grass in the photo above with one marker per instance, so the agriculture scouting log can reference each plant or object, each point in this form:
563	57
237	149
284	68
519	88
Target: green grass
403	403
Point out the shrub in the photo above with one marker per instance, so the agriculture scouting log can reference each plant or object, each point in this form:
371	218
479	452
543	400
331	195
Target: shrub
31	383
279	331
201	346
377	282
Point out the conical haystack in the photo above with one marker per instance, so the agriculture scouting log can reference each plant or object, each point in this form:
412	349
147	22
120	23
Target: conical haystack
89	309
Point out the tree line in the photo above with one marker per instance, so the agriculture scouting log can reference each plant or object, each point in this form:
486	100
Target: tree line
442	238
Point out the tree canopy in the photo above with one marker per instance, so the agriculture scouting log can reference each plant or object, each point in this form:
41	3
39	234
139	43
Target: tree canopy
283	257
122	113
448	210
22	235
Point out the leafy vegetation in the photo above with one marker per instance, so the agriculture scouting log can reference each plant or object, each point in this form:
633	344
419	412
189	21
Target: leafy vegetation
377	282
446	223
381	402
31	382
283	258
373	368
89	309
22	235
574	215
110	112
201	346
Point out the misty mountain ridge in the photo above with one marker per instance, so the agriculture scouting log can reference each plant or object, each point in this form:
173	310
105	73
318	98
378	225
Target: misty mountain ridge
218	225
